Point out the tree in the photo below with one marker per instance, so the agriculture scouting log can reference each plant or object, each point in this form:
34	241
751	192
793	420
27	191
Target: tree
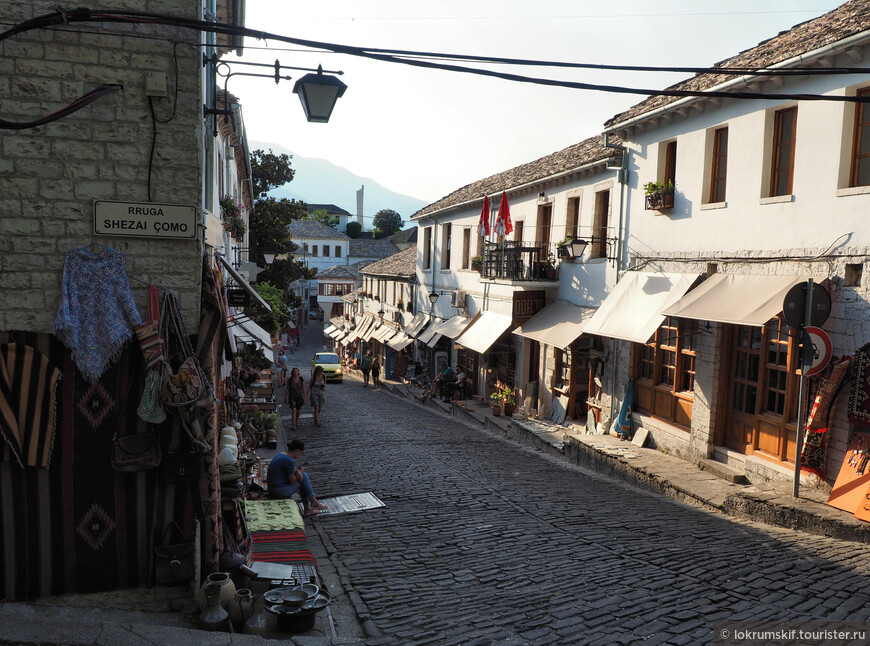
353	230
269	171
321	215
388	221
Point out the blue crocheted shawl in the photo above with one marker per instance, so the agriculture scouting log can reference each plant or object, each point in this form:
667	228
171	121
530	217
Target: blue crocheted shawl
96	314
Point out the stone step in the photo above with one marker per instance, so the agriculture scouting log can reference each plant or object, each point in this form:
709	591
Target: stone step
723	471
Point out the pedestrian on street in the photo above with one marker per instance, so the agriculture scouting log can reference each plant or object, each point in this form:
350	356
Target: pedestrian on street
282	363
365	366
285	478
376	373
316	392
296	394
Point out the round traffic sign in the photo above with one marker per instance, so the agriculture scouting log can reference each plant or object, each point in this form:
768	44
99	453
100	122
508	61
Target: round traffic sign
795	303
817	350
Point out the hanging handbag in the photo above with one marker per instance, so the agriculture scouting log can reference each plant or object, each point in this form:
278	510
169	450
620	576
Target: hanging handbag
173	562
136	452
188	385
150	409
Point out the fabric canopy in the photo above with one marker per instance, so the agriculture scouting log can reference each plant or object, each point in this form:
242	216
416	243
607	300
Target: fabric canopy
734	298
484	331
243	283
452	328
370	330
400	341
248	331
337	332
362	327
558	324
429	332
329	329
417	324
632	311
384	332
433	340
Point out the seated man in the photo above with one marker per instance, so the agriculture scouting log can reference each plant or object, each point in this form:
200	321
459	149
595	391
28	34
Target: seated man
458	384
284	478
445	374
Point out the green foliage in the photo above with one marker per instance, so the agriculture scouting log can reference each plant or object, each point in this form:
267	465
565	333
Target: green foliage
388	221
269	171
275	297
229	208
354	229
320	215
657	188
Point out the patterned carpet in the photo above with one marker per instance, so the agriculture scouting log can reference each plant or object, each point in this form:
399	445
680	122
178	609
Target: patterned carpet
273	515
286	546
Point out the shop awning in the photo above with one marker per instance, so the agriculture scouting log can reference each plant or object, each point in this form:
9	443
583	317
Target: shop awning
329	329
558	324
426	335
734	298
433	340
341	336
243	283
370	331
484	331
452	328
362	327
417	324
384	332
633	310
337	332
250	332
400	341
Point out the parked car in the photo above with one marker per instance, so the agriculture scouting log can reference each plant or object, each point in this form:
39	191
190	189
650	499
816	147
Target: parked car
331	365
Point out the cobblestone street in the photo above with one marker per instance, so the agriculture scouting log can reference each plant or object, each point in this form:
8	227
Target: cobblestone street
487	542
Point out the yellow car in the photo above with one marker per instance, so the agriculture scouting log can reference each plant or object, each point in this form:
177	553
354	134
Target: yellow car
330	363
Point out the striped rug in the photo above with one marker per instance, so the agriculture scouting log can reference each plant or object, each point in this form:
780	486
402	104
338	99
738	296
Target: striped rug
286	546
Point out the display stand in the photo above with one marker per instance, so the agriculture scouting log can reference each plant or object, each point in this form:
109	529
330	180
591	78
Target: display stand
851	490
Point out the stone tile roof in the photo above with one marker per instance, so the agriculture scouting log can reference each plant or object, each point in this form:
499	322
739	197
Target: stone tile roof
587	151
371	248
349	298
314	230
359	264
346	272
332	209
849	18
402	264
405	236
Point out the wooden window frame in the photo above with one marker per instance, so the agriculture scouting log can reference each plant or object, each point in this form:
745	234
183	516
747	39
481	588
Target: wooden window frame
314	249
719	165
338	251
445	247
861	129
519	229
572	219
427	248
466	247
657	398
778	144
601	216
562	369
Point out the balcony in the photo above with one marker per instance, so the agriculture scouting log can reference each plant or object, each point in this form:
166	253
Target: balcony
518	262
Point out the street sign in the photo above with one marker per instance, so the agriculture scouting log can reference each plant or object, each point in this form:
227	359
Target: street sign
817	350
145	220
238	298
795	303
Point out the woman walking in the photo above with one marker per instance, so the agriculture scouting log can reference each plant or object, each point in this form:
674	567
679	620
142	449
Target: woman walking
295	394
316	390
365	366
376	373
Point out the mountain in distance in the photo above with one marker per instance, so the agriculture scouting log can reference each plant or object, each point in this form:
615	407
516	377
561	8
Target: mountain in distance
318	181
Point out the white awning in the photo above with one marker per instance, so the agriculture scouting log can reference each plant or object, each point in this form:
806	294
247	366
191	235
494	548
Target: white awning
429	332
243	283
329	329
250	332
452	328
735	298
370	330
484	331
633	310
417	324
362	327
433	340
400	341
384	332
558	324
337	332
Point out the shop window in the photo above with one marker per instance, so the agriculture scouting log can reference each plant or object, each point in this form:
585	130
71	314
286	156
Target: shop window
466	248
860	175
782	155
562	373
718	166
665	372
762	398
427	248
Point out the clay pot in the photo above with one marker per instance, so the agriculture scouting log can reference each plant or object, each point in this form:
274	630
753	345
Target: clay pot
214	616
256	623
496	410
225	585
509	409
241	608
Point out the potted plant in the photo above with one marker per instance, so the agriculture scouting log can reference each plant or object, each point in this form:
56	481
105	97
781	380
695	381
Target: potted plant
237	227
508	401
495	403
229	210
550	268
659	195
477	263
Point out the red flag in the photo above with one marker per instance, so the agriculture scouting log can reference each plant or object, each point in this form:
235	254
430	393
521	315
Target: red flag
503	225
483	225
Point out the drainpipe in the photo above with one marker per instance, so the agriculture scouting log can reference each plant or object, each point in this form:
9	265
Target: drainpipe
619	261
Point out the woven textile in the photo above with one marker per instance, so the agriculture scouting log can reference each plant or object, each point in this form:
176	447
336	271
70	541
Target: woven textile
826	388
96	314
270	515
28	410
859	398
281	547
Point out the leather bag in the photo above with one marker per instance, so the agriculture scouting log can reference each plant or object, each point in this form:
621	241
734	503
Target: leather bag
136	452
173	562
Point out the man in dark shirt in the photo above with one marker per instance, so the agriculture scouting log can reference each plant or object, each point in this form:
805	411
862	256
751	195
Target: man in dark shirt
284	478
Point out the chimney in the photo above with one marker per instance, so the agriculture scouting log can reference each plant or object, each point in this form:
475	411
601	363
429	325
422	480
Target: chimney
359	206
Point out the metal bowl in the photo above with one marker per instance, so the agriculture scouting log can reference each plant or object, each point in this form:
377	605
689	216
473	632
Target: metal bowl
311	590
295	597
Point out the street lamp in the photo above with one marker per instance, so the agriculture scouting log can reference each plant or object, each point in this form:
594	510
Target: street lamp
268	255
433	298
318	94
576	247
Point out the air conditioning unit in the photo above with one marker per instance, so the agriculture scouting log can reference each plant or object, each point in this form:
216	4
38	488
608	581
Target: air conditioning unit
458	299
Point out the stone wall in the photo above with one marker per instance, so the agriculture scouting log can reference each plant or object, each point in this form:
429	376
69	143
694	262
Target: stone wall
51	175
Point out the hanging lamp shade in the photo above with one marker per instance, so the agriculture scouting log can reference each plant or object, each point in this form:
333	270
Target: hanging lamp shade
318	94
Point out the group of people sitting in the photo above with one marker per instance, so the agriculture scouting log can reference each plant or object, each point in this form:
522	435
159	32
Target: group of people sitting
449	381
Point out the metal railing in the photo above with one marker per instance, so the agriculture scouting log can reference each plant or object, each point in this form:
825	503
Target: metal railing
512	260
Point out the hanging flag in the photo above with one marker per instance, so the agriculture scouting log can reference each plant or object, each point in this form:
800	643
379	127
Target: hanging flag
483	225
503	225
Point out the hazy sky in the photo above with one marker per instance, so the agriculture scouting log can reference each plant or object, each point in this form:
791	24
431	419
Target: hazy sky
426	133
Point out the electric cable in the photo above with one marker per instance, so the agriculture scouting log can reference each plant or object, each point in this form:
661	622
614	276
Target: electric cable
76	105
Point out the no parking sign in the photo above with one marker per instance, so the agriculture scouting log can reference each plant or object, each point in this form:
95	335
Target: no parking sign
817	350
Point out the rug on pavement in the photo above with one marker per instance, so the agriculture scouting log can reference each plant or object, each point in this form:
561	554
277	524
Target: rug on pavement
347	504
286	546
270	515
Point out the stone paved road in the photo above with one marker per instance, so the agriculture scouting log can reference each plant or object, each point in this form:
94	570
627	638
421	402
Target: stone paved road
487	542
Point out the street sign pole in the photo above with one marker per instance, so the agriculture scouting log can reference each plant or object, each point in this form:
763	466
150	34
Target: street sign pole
805	365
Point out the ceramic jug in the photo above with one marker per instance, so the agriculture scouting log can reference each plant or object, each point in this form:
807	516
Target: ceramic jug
256	623
241	607
225	585
213	616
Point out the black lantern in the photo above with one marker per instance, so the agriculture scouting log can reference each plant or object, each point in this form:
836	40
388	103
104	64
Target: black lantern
576	247
318	94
